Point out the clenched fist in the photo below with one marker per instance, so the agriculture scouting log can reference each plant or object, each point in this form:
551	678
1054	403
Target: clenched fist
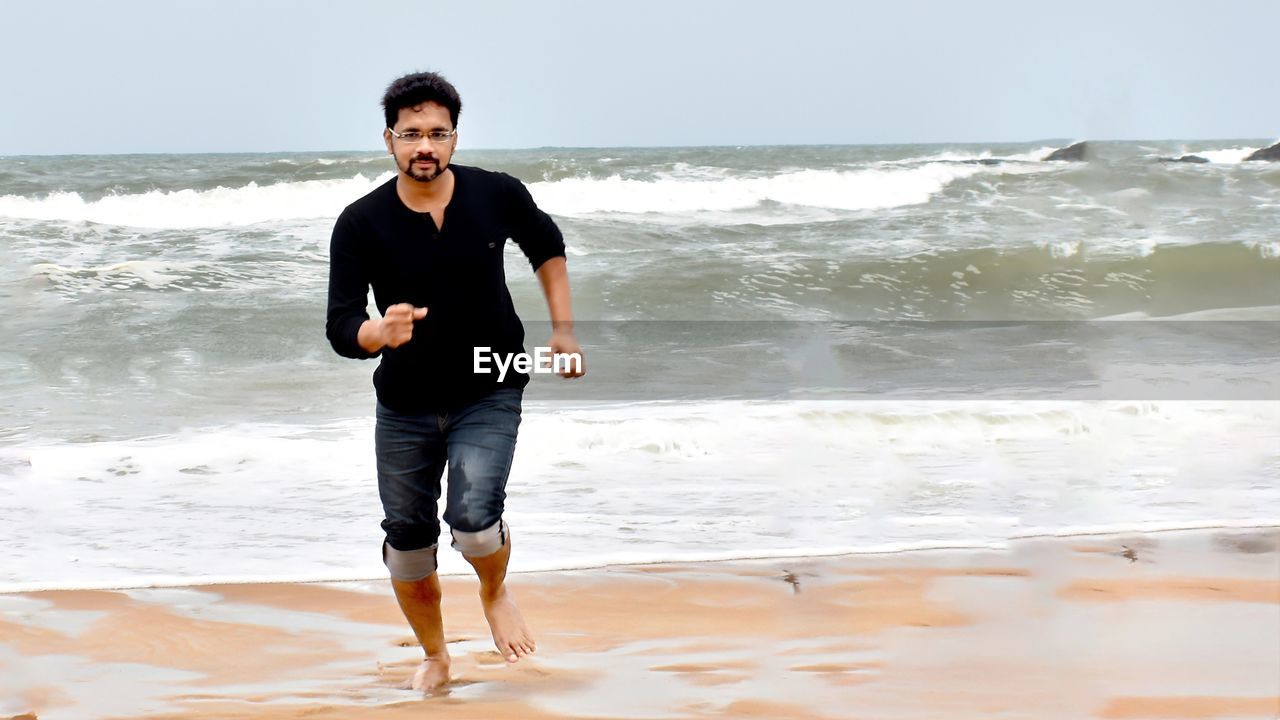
392	329
396	326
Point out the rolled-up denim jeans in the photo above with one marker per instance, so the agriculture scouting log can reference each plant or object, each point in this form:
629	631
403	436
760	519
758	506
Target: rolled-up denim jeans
476	442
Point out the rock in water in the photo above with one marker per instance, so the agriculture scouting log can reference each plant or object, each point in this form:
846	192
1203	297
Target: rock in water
1071	152
1185	158
1267	153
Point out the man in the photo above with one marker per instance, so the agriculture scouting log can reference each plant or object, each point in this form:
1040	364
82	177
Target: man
430	243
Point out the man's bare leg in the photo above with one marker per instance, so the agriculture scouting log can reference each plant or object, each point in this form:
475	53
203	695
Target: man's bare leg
510	634
420	602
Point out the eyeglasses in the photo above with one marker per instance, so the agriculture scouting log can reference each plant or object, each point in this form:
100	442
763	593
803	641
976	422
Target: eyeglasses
413	137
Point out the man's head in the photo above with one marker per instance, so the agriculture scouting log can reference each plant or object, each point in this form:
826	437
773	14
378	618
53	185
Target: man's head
421	105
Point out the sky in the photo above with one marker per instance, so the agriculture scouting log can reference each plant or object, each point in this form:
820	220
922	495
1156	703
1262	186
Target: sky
232	76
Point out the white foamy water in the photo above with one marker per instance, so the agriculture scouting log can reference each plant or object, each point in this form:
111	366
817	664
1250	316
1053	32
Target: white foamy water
686	191
840	190
1229	155
1028	156
153	273
610	484
219	207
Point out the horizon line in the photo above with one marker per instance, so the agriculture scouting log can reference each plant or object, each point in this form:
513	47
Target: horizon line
1066	141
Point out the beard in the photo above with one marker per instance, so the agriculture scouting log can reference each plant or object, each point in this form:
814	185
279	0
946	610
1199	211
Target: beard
423	173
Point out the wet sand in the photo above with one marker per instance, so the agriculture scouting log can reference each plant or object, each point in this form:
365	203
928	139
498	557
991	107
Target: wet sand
1161	625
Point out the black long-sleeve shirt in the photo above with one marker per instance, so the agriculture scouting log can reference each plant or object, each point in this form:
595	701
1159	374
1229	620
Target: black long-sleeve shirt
456	272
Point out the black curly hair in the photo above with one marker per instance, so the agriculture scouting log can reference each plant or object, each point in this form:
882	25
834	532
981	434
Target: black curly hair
417	88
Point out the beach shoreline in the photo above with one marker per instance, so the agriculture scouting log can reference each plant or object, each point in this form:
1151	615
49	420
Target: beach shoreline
1170	624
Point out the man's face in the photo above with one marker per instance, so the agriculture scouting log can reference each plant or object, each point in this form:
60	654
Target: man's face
424	160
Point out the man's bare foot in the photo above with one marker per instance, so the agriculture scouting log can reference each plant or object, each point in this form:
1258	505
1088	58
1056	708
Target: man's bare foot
510	634
432	675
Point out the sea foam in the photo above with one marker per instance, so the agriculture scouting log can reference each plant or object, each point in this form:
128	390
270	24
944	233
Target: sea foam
684	192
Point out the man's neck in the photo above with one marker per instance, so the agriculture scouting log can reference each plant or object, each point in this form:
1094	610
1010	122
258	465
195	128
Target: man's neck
426	194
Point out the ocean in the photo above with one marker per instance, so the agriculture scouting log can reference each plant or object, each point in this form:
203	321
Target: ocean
791	351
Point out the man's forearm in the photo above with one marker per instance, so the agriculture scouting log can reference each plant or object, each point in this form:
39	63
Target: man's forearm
370	336
554	277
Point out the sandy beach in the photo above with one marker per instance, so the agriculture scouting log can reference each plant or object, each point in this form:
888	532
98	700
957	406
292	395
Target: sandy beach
1160	625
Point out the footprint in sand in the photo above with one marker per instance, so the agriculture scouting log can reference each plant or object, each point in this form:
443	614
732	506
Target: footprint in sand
411	641
704	667
840	674
834	668
489	657
726	673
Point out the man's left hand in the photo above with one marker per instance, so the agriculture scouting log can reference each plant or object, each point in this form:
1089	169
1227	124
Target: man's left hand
563	342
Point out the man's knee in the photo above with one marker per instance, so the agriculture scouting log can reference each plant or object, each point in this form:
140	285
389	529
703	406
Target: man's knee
409	565
480	543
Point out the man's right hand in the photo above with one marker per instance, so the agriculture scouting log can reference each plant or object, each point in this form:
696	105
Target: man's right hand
393	329
397	324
